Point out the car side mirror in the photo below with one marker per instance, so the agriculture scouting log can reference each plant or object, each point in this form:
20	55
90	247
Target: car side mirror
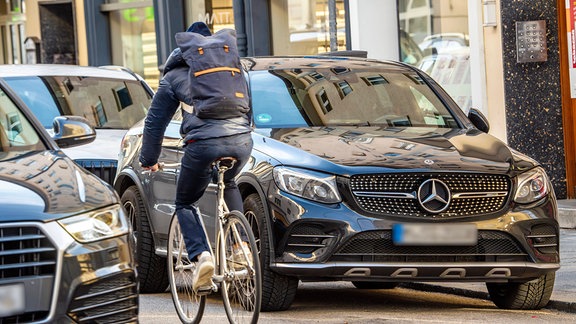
72	131
478	120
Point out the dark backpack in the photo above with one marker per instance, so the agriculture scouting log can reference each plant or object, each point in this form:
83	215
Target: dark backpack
217	85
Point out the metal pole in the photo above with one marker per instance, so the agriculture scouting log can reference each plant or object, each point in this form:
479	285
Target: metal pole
332	25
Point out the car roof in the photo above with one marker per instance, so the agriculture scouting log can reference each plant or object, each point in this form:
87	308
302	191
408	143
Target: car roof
315	62
454	36
20	70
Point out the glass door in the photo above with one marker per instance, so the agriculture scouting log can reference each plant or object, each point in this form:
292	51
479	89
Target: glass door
133	37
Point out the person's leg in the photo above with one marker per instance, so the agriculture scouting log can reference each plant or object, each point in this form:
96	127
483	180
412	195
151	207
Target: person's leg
195	175
240	147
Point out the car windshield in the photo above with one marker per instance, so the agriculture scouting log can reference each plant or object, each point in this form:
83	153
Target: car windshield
17	135
105	103
343	97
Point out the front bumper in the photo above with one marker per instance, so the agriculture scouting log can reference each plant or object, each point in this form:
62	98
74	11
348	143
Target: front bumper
64	281
416	272
336	243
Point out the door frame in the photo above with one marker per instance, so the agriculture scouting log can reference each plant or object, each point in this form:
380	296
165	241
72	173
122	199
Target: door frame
568	103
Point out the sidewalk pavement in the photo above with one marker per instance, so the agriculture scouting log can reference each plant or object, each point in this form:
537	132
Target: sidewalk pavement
564	294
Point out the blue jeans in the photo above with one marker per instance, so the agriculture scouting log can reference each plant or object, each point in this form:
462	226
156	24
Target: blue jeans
196	172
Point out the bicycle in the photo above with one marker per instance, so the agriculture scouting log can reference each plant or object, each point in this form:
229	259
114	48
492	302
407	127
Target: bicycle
237	272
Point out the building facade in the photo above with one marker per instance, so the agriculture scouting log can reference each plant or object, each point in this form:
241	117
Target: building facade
473	48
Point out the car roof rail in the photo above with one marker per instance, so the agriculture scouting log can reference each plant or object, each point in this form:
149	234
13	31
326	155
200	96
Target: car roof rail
350	53
132	73
119	68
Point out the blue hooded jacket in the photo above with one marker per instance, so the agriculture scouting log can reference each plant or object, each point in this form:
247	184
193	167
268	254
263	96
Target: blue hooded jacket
173	89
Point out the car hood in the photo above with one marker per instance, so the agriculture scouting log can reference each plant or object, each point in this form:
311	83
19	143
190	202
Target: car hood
105	147
330	148
43	186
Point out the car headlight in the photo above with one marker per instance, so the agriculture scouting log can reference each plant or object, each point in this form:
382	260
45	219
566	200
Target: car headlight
96	225
307	184
532	185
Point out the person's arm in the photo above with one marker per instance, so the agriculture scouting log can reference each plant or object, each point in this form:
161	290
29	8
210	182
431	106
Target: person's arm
162	109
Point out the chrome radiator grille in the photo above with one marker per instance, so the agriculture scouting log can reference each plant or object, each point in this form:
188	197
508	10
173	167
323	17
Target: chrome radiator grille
112	300
396	194
25	251
103	169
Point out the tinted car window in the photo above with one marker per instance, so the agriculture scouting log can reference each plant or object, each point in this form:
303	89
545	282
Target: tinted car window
17	136
106	103
332	97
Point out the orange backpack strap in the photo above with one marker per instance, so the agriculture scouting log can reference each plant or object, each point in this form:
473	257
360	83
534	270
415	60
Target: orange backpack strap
217	69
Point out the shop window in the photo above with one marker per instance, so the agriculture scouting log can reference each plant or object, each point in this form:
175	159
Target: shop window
217	14
303	26
12	34
434	38
133	36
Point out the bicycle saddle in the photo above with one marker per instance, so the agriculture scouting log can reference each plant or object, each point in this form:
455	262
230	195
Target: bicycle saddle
226	161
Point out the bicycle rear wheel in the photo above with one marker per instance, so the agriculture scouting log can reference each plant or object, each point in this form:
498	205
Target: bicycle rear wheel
240	264
188	304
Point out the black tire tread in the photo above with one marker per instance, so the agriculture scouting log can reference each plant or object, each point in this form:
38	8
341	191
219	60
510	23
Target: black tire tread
531	295
278	291
152	271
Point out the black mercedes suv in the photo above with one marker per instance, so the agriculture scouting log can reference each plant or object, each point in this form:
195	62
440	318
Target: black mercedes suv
66	246
366	171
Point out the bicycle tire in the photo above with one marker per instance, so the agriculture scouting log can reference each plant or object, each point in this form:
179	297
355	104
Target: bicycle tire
189	306
242	287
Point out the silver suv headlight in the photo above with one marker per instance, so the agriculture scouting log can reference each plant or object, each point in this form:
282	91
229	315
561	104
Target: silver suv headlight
532	186
307	184
97	225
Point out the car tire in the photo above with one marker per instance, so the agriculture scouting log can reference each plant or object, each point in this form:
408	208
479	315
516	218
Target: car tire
530	295
152	269
375	284
278	291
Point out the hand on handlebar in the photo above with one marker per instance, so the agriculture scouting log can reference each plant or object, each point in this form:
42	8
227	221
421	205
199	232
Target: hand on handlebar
152	168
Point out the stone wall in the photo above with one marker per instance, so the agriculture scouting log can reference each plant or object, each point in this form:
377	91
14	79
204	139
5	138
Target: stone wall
532	91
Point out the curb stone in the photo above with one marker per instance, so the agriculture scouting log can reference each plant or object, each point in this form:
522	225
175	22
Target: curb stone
568	307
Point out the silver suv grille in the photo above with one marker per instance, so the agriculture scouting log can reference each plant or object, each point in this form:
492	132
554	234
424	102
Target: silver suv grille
25	251
396	194
103	169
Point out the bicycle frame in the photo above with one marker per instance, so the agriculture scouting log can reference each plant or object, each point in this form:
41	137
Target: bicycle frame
221	211
236	269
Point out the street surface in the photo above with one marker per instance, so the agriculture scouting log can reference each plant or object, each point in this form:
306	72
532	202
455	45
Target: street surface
341	302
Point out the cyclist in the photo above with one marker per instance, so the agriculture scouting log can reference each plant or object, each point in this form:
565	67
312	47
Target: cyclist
205	140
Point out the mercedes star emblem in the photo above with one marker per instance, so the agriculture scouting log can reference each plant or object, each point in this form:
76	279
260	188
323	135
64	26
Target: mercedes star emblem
434	196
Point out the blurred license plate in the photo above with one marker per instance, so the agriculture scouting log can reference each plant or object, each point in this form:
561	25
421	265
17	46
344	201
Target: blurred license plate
434	234
11	300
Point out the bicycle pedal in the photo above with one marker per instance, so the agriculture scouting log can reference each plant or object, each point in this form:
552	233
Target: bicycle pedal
204	291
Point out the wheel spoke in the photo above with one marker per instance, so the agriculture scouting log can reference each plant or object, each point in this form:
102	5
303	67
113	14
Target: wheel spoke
242	292
188	304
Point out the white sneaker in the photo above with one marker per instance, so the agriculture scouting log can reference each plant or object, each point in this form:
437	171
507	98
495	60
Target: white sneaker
202	276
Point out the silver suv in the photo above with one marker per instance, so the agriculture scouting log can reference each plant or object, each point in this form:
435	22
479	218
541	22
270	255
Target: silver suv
111	98
65	241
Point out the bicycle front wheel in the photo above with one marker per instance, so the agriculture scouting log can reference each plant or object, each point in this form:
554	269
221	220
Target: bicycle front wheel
240	264
188	304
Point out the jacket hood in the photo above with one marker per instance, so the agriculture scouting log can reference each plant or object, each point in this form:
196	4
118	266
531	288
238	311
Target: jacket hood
44	186
200	28
175	59
409	148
